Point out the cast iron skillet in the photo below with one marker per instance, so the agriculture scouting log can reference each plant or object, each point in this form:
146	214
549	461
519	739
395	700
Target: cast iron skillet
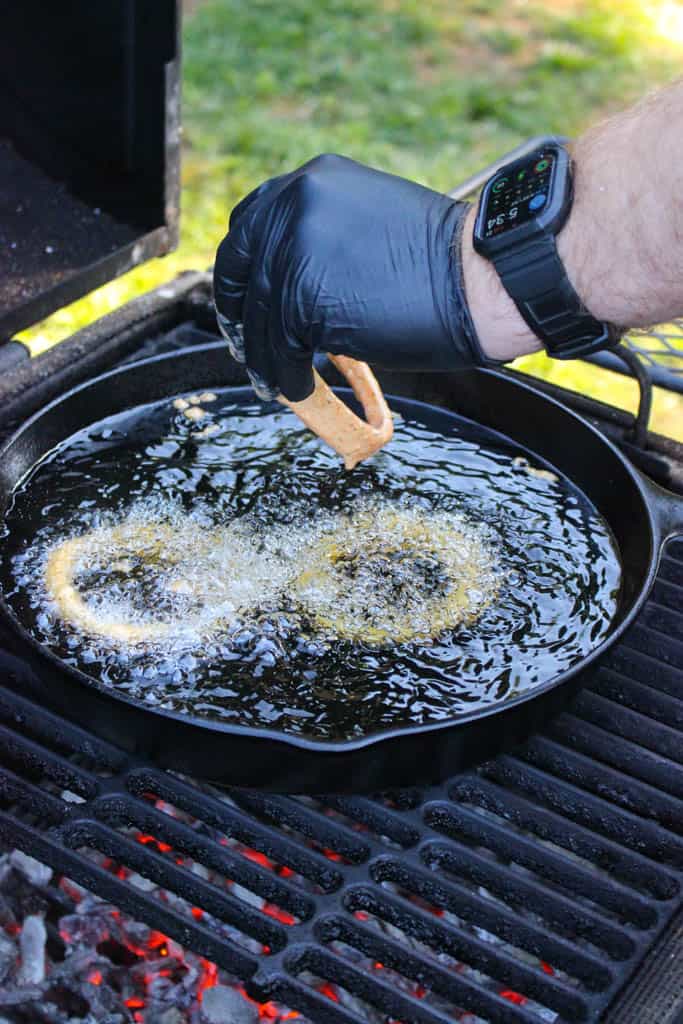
640	514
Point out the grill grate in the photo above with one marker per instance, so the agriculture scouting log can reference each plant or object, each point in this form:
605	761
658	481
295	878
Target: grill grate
546	875
661	348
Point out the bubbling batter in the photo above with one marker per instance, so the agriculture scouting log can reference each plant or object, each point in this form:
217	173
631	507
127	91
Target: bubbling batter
382	575
392	575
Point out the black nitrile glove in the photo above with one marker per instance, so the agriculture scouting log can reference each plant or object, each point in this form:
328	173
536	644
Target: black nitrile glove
338	257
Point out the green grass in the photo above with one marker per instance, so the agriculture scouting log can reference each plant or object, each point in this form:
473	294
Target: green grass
426	88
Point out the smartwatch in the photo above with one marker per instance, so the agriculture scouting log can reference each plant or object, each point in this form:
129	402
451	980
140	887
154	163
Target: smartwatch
521	210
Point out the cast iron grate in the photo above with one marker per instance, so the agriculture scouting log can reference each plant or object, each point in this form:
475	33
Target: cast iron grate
659	351
660	346
546	875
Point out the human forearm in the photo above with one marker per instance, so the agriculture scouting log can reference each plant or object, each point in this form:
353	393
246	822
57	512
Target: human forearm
622	245
337	257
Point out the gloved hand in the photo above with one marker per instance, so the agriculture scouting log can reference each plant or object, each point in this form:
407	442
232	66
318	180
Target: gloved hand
338	257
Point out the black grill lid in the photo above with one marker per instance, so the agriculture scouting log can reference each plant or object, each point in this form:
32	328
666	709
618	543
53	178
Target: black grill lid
89	147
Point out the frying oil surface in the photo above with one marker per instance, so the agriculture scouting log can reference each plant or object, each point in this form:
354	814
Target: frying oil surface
226	566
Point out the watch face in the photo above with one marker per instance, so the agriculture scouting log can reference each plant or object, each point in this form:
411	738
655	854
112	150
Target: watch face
517	195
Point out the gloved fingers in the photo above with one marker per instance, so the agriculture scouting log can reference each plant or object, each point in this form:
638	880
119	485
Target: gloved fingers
233	264
231	275
294	357
277	362
234	335
266	190
235	254
259	356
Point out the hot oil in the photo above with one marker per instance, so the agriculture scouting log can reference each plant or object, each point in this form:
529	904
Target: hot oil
267	586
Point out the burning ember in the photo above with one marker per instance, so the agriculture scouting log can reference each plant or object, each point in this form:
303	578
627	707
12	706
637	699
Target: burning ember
68	957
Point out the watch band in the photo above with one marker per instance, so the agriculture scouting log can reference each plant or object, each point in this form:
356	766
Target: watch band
534	276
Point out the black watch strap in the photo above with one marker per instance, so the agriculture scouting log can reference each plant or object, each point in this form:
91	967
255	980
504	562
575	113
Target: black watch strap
534	276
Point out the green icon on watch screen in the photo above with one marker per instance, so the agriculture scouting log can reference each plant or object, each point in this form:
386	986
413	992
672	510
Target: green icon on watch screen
541	166
501	183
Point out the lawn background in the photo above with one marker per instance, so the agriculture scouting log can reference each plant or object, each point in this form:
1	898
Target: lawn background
430	89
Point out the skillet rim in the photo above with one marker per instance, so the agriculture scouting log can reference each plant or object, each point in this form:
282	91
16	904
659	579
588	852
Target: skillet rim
353	744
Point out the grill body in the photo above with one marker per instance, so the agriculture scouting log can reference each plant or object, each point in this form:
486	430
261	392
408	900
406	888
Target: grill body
566	850
89	148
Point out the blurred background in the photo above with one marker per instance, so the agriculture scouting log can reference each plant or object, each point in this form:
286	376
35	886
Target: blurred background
430	89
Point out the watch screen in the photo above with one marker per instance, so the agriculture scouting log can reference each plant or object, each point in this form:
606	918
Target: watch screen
517	196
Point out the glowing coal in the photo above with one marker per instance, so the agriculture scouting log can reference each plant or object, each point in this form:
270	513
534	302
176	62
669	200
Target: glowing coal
68	957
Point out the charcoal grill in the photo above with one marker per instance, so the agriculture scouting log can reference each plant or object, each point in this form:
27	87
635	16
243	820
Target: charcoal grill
545	885
566	852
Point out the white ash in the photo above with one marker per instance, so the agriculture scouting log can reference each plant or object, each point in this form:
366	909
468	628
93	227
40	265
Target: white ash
39	874
5	868
222	1004
98	943
93	965
32	946
141	883
252	898
171	1015
8	955
72	798
19	996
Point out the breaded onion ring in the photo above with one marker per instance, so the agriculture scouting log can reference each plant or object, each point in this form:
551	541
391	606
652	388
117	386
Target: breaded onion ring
332	420
62	564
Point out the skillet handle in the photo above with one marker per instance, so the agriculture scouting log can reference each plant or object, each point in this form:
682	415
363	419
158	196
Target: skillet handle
667	508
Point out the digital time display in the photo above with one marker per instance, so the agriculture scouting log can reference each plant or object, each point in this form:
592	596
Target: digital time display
518	195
